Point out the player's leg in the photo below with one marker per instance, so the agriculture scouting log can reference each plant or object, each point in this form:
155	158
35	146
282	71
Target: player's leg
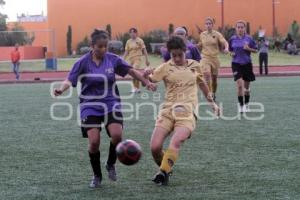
240	94
215	65
248	76
208	79
214	85
247	95
156	144
180	135
94	154
136	65
90	128
133	90
114	129
206	69
237	75
170	156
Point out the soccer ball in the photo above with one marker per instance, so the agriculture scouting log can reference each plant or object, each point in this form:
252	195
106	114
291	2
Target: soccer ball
129	152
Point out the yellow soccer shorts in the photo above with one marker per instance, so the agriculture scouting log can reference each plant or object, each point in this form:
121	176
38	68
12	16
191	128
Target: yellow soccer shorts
210	65
172	118
136	62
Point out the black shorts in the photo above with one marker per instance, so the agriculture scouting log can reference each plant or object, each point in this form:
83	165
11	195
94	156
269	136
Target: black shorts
97	121
244	71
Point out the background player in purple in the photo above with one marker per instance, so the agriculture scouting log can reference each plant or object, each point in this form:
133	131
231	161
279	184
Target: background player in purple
192	51
241	46
99	99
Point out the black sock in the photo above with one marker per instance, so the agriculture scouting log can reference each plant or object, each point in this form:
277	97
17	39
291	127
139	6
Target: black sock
241	100
247	99
112	156
95	162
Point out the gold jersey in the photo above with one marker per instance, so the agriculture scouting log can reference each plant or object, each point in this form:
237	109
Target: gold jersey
211	43
134	48
181	83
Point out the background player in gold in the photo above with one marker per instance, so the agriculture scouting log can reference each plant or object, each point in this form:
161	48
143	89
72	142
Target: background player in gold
134	50
211	42
181	77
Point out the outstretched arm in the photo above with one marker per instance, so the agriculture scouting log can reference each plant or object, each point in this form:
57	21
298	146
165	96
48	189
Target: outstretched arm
64	86
137	75
205	90
252	50
226	47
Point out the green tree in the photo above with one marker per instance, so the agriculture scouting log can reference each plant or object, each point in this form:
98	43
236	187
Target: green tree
248	30
108	29
294	30
171	29
228	31
16	35
83	46
3	18
19	36
69	40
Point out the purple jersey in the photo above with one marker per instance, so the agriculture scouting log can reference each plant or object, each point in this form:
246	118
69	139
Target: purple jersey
192	52
99	93
236	45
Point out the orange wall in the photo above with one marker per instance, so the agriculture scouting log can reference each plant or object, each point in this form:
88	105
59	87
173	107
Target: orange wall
151	14
257	12
286	12
33	52
27	52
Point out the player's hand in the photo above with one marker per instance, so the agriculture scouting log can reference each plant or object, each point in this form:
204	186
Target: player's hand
216	110
147	71
57	92
147	63
151	86
246	47
226	51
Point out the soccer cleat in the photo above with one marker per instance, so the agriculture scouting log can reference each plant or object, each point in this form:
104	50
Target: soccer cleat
112	175
96	182
161	178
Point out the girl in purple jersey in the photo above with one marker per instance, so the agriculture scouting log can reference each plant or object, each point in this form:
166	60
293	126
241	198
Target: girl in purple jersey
241	46
99	99
192	51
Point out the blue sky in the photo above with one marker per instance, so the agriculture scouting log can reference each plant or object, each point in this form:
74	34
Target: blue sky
32	7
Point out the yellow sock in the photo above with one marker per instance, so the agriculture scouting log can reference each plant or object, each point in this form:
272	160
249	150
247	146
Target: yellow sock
170	156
